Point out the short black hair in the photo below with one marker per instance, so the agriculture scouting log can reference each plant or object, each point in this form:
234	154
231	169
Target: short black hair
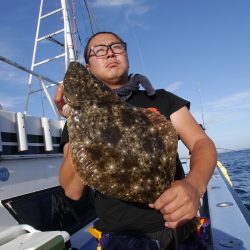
86	52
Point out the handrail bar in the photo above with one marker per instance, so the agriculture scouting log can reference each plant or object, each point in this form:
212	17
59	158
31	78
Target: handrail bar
40	79
19	66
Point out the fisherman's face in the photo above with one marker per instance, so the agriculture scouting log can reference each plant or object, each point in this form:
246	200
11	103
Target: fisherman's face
112	68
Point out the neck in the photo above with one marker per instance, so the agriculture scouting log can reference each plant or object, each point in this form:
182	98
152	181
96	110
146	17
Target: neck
117	84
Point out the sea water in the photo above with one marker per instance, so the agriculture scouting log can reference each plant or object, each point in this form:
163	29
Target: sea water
237	164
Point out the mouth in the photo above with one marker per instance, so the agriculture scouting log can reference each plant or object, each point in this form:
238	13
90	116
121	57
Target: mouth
111	64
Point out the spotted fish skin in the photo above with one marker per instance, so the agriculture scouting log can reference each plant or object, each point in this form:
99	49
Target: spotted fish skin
120	150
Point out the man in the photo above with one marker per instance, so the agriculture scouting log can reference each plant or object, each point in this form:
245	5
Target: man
106	58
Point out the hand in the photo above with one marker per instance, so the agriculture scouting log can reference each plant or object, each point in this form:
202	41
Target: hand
60	101
178	204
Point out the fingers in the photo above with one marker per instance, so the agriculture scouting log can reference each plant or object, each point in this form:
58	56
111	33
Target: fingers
66	110
166	198
178	204
58	94
59	100
177	223
179	216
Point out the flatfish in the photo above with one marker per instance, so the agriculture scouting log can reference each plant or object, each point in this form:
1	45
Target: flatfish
120	150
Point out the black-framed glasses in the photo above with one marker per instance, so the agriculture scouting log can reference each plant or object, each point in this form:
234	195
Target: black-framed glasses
101	50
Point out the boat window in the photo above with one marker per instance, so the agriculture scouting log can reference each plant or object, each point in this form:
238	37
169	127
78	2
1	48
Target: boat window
50	209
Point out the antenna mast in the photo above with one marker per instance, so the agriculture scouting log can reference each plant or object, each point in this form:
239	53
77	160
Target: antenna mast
68	54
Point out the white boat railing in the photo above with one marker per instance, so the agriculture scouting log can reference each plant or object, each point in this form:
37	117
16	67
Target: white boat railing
28	136
26	237
41	80
17	130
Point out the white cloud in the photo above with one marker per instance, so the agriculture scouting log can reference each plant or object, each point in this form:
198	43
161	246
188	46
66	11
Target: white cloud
6	48
10	74
227	120
236	101
113	3
11	103
12	81
139	9
133	7
226	110
172	87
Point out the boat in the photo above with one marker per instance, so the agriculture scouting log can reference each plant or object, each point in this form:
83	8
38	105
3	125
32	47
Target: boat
229	219
35	213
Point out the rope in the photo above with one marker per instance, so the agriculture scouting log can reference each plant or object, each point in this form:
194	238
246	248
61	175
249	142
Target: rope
91	18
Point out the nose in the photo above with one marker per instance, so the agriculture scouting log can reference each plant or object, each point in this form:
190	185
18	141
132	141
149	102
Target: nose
110	52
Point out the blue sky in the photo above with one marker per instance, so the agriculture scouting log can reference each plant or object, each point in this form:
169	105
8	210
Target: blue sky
197	49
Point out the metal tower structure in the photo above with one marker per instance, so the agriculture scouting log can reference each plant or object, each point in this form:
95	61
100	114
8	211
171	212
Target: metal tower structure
67	44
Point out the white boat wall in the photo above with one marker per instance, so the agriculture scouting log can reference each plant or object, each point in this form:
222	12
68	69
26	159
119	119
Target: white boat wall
31	198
